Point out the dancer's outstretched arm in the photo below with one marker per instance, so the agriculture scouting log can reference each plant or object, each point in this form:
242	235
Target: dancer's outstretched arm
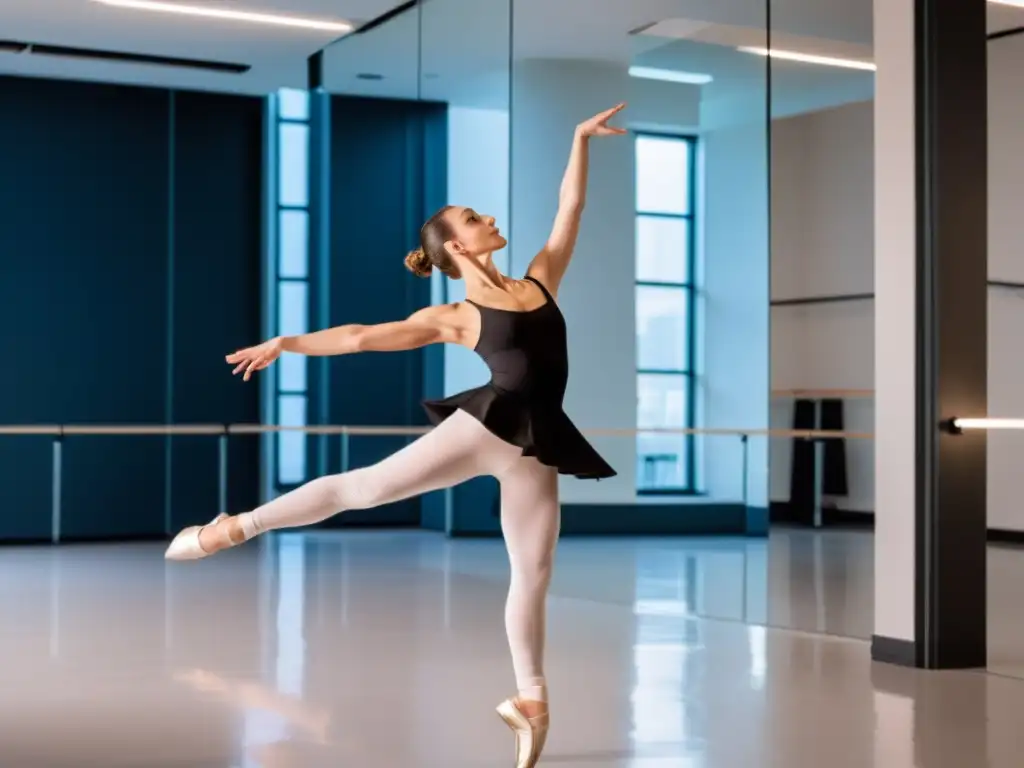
550	264
444	324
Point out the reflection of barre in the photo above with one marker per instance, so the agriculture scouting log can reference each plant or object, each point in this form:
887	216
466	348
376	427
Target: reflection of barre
328	429
325	429
144	429
841	394
30	429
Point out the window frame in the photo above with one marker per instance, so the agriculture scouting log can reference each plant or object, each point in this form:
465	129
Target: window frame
280	391
690	288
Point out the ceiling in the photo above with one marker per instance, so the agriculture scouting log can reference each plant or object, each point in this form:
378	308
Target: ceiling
277	55
443	49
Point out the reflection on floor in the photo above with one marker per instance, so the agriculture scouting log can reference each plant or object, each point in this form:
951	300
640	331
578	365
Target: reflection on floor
387	650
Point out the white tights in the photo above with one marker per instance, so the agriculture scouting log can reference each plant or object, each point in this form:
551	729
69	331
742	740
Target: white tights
458	449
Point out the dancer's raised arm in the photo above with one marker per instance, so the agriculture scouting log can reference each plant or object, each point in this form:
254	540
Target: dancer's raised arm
550	264
433	325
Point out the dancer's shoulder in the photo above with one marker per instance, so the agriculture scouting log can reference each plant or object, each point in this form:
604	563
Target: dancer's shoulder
458	315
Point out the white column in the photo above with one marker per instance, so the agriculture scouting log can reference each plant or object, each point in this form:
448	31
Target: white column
895	350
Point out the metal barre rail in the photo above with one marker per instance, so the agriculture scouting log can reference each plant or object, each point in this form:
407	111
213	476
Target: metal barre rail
223	431
220	430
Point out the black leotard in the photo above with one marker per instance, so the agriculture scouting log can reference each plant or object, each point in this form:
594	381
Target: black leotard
522	403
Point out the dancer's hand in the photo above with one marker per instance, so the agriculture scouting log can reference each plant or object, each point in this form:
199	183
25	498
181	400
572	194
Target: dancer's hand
255	358
598	124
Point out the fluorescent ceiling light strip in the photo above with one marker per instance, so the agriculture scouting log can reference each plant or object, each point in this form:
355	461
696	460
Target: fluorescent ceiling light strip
231	15
670	75
809	58
1011	3
988	423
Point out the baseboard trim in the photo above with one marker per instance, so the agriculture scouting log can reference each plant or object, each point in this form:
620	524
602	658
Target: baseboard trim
784	513
891	650
652	520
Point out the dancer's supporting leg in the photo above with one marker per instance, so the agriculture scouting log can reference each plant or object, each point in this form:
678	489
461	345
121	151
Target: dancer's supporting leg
530	519
458	449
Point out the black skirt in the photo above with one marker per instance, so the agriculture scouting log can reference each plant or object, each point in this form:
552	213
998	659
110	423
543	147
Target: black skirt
546	433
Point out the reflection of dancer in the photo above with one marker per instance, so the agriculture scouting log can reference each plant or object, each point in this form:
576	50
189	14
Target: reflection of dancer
513	428
253	695
249	695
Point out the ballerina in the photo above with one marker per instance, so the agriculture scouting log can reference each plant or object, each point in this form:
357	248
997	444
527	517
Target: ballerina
513	427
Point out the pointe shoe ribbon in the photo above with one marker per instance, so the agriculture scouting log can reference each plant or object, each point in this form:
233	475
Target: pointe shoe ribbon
185	546
531	733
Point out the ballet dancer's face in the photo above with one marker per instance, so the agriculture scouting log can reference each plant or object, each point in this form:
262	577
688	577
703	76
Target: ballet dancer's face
473	234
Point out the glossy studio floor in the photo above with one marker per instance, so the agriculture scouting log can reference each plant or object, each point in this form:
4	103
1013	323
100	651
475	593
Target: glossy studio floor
387	649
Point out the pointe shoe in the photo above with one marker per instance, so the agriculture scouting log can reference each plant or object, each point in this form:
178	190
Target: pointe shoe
531	732
185	546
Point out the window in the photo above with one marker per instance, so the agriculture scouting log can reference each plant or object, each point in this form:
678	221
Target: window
292	273
665	311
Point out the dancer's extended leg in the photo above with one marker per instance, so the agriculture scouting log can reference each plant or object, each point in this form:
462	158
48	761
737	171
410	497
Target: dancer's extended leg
458	449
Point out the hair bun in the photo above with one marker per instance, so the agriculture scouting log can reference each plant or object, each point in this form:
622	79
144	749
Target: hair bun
418	263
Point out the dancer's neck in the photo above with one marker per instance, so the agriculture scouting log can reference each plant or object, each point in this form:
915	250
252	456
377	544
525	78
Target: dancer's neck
483	276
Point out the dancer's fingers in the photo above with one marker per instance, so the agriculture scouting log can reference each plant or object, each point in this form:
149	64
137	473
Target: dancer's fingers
240	367
614	110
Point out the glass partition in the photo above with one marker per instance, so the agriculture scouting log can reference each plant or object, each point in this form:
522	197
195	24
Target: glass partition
822	91
667	298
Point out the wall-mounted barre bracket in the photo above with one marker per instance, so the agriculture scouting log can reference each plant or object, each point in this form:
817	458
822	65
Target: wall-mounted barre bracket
958	424
951	427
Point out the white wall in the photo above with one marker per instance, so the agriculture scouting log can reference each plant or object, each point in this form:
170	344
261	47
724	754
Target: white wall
549	99
822	245
1005	263
822	240
735	368
478	177
598	296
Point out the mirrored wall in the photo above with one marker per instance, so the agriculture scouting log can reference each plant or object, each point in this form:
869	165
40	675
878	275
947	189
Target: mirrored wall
666	301
822	344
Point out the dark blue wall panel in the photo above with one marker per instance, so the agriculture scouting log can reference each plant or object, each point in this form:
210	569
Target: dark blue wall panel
83	201
387	176
86	227
216	254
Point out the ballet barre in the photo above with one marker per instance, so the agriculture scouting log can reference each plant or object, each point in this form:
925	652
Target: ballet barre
345	432
160	430
837	394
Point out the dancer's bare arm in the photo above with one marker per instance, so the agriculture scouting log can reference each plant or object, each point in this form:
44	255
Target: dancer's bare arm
550	264
444	324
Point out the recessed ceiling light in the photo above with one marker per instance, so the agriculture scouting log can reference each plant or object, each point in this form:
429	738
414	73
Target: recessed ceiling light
669	75
809	58
231	15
